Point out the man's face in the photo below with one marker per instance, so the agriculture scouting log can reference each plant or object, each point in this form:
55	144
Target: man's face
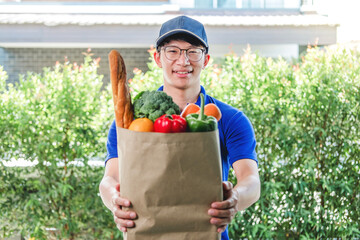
181	73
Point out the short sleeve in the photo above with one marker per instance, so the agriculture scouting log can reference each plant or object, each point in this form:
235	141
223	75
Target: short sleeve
111	144
240	138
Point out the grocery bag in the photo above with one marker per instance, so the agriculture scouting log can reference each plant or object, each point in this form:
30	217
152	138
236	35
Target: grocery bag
171	179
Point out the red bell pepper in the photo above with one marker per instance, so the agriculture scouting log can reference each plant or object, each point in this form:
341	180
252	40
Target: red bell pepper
170	124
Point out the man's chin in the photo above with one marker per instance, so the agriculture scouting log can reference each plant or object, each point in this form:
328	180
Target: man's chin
182	84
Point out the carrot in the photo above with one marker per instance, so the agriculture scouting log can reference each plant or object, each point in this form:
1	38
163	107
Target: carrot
189	109
211	109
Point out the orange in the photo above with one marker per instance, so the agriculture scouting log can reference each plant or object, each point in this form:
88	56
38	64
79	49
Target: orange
142	125
189	109
211	109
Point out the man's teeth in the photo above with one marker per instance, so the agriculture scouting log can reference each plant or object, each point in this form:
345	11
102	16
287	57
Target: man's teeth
183	72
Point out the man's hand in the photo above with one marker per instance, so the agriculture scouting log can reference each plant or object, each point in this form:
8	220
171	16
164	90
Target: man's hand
123	219
244	194
109	188
223	212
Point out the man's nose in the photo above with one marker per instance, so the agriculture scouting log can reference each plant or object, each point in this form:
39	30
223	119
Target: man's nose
183	59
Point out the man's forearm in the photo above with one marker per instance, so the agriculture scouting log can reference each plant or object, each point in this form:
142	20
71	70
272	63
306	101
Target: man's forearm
247	191
107	188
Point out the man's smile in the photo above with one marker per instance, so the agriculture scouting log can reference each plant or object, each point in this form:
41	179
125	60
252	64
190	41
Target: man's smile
183	72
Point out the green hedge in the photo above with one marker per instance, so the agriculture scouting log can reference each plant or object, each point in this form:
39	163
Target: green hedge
59	121
306	121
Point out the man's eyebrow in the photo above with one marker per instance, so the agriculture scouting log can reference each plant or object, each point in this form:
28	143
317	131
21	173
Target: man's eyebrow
192	46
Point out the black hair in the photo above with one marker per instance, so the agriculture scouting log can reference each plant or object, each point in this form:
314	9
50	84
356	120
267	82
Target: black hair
183	37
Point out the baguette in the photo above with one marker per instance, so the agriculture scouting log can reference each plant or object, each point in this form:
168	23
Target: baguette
121	95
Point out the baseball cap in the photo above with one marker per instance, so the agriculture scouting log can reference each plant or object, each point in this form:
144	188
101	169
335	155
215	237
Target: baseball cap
183	24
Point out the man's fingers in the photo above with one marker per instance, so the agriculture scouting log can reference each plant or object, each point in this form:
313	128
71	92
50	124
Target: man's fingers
123	219
228	189
228	213
121	202
227	186
123	229
221	229
123	223
222	212
124	214
230	203
117	187
219	222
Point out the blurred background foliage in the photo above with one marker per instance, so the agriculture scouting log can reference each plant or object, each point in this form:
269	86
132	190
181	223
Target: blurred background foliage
306	120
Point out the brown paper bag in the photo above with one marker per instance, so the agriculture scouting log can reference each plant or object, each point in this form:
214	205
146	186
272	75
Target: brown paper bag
171	181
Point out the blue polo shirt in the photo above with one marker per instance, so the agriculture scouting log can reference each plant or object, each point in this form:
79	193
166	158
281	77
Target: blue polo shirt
237	138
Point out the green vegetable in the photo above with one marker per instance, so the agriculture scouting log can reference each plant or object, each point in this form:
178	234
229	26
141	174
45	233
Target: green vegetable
201	122
154	104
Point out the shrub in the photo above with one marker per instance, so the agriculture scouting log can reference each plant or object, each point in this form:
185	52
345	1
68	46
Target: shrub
150	80
306	119
59	121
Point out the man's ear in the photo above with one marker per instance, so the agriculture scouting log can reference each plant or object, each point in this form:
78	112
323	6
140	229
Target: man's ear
206	61
157	59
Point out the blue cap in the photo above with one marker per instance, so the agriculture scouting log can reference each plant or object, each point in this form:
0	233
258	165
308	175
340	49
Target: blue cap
183	24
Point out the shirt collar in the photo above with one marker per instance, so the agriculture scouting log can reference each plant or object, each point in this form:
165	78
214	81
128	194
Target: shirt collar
202	90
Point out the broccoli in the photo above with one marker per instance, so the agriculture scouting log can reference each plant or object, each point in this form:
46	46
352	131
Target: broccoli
154	104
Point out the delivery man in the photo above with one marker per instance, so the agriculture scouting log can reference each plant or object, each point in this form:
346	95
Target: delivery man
182	53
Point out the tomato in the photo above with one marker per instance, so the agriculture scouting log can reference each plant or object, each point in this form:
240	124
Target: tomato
170	124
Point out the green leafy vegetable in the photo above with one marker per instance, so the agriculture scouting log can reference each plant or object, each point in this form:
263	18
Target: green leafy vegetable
154	104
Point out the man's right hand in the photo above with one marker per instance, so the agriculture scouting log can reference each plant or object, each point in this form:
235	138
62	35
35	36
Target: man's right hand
109	188
123	219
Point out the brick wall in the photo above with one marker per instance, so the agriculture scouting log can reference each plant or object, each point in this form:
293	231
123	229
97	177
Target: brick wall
21	60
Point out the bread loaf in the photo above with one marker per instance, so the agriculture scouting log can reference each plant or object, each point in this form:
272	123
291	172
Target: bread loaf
121	95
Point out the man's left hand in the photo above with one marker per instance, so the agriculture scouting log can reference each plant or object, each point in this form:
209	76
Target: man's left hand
223	212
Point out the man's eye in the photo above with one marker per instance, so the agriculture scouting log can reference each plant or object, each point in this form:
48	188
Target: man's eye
193	51
172	51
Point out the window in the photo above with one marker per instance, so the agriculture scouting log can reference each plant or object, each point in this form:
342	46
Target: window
226	3
248	4
263	3
215	3
204	4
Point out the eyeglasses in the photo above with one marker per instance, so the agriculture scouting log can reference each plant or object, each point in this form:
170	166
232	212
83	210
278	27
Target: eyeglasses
193	54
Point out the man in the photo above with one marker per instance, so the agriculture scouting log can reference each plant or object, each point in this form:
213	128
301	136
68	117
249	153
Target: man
182	53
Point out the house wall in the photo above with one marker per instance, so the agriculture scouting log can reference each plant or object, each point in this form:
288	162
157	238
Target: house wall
21	60
255	35
286	51
144	36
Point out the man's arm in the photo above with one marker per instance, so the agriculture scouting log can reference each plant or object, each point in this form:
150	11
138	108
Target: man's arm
248	183
110	194
244	194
